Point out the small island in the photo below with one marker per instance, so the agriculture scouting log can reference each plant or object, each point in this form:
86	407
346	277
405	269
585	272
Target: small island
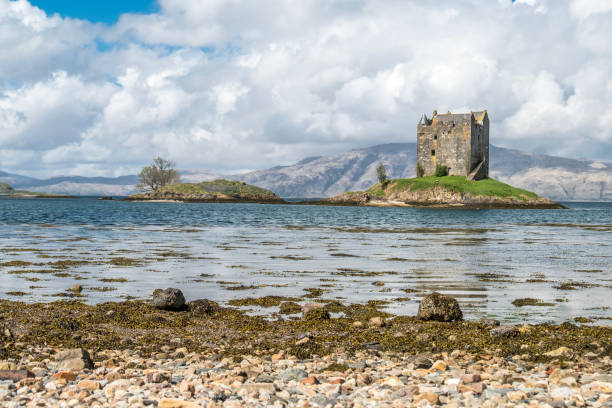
452	171
444	192
7	191
217	191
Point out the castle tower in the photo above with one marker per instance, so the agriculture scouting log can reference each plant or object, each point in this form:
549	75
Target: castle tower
459	141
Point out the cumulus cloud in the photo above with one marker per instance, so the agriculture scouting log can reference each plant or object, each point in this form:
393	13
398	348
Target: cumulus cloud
236	84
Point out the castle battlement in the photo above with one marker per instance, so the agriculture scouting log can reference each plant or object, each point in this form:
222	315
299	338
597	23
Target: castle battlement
459	141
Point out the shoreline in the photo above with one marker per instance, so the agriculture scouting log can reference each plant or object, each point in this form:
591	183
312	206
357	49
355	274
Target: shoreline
372	203
128	353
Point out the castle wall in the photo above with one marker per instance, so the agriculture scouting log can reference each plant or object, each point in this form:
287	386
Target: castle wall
452	147
458	141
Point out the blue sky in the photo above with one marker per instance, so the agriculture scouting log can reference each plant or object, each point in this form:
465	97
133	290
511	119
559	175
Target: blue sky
105	11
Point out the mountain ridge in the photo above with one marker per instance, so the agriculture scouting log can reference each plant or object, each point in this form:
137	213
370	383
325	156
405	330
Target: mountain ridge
557	178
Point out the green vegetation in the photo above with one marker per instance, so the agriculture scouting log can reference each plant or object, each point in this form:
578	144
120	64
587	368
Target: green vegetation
222	189
530	302
138	326
381	173
6	188
158	174
441	170
419	170
458	184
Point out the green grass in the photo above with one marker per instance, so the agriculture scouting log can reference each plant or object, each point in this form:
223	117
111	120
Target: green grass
458	184
228	188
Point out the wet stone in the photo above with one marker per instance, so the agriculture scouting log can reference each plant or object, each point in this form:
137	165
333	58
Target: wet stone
439	308
507	330
168	299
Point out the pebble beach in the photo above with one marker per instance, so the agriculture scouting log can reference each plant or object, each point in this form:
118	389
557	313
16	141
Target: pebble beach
204	355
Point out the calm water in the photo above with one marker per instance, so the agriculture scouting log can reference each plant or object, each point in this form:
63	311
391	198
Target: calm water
485	258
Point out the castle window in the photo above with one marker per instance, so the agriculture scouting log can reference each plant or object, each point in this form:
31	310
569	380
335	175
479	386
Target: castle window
433	152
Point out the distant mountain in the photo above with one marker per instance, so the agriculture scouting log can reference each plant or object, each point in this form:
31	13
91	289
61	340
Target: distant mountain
14	179
556	178
552	177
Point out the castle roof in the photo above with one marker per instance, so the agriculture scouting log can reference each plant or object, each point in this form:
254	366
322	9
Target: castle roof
460	117
453	117
479	115
424	120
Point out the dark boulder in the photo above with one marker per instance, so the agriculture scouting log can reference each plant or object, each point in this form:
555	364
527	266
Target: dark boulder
168	299
440	308
202	307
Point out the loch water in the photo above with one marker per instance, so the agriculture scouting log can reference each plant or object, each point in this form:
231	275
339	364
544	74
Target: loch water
487	259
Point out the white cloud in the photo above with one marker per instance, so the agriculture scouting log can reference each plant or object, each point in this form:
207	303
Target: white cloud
236	84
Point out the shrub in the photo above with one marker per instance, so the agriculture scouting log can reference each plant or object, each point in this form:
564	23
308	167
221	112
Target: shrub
381	173
441	170
419	170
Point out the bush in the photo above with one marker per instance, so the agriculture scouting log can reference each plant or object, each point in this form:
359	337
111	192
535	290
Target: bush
381	173
441	170
419	170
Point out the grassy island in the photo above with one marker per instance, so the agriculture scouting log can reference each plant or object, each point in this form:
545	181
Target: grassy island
446	191
6	190
458	184
210	191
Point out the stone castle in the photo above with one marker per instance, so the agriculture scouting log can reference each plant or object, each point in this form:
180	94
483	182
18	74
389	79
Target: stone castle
459	141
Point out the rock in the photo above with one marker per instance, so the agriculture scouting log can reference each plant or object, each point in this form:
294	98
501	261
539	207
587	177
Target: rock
439	308
376	322
64	375
516	396
476	388
111	389
74	359
311	306
311	380
15	375
7	365
168	299
430	397
422	362
258	387
158	377
89	385
176	403
202	307
76	288
506	330
562	393
560	352
302	341
186	387
439	366
292	374
357	324
265	378
470	378
489	322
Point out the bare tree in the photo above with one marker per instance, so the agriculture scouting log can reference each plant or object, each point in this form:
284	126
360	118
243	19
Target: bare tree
158	174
